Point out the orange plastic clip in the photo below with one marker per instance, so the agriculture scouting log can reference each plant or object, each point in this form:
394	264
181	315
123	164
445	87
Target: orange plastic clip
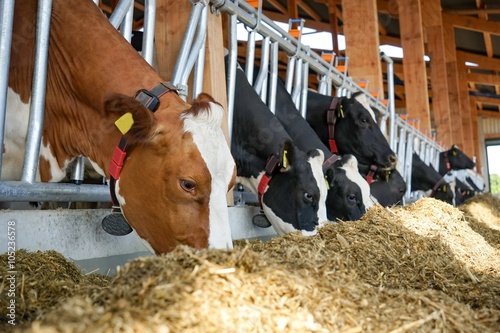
294	33
327	57
253	3
341	68
362	84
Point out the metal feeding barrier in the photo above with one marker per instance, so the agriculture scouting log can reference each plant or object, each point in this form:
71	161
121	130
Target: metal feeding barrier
330	68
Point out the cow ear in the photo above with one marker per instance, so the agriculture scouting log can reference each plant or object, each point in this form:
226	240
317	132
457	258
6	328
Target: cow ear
132	118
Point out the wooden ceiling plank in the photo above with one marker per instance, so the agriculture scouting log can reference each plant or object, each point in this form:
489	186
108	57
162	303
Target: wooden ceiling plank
483	61
309	11
489	11
278	6
488	44
473	23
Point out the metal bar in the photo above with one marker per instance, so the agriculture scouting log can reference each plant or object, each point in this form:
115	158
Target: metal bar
149	30
231	72
305	88
78	171
23	192
273	84
250	58
290	68
7	19
392	102
127	23
187	41
199	72
35	125
119	12
264	64
199	41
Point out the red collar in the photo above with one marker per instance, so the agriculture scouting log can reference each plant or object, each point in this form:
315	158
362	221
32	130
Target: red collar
371	174
271	164
331	120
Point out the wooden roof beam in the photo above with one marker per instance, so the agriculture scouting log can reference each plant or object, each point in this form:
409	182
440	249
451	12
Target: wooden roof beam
278	6
309	11
472	23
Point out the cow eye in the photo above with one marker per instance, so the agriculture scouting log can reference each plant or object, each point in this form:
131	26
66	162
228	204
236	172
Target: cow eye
351	197
364	121
188	185
308	197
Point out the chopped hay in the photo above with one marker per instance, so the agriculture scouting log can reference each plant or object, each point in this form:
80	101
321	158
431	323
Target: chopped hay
483	214
420	268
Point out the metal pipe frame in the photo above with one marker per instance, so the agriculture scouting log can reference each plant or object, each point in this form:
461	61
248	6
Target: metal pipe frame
6	25
273	84
127	23
19	191
196	48
231	72
149	30
185	49
35	125
119	12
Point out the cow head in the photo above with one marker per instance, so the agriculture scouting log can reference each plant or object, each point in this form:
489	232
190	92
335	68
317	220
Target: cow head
461	192
345	200
443	192
296	194
454	159
388	187
357	133
172	188
425	178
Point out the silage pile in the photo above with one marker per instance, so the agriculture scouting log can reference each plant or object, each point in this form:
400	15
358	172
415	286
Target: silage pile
419	268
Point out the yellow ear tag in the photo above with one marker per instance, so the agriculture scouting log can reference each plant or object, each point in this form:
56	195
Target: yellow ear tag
125	122
454	153
327	184
341	111
444	188
285	159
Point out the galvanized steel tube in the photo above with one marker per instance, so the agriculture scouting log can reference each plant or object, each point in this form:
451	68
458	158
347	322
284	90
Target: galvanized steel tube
119	12
35	125
127	23
273	84
7	19
149	30
231	73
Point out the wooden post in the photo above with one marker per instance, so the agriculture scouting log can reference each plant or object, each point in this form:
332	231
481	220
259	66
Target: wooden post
171	20
453	83
332	13
412	41
362	41
465	112
432	21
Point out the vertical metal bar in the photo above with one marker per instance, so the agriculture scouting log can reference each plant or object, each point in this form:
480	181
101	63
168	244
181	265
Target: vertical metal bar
199	41
126	25
35	126
231	72
149	30
305	87
273	84
264	64
289	73
119	12
7	19
79	170
199	71
250	58
187	40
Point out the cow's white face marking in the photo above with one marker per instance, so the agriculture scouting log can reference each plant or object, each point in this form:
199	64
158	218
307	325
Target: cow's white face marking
351	170
16	128
209	138
363	101
317	170
281	227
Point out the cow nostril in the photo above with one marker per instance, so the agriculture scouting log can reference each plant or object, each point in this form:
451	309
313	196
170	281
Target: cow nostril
393	159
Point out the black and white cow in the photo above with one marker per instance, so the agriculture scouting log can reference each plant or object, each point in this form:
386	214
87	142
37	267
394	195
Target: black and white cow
288	181
454	159
425	178
349	126
387	186
462	192
348	193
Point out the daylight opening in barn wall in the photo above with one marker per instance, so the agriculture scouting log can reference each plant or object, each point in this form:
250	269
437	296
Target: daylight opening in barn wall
425	267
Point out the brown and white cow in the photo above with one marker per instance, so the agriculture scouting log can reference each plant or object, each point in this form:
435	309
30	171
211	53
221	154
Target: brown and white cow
178	168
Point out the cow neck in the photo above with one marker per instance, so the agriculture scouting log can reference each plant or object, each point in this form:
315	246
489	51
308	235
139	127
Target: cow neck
447	161
440	182
271	164
151	100
327	164
331	120
371	173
